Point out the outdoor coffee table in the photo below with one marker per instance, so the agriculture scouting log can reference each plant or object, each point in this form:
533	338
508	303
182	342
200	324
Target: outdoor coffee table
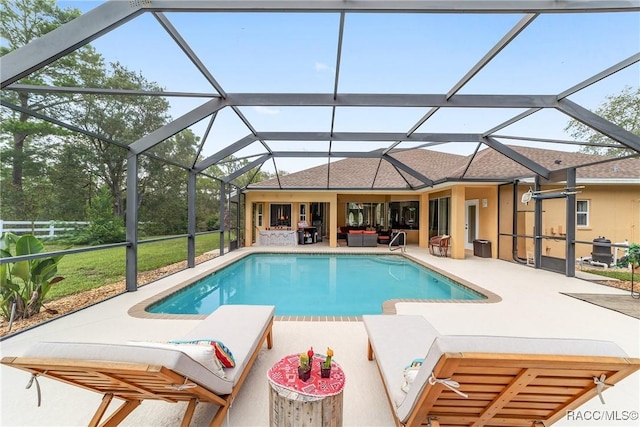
317	401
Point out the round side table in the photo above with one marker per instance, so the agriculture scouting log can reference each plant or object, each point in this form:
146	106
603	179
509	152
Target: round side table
315	402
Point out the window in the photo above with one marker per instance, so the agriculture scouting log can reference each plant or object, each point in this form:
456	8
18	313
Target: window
280	215
260	215
303	212
582	213
405	215
439	216
365	214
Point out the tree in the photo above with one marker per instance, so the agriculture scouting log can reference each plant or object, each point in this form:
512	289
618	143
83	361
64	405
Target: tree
208	203
73	182
104	227
163	187
124	119
623	110
231	164
22	21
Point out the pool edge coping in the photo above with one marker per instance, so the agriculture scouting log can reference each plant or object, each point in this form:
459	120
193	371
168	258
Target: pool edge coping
388	306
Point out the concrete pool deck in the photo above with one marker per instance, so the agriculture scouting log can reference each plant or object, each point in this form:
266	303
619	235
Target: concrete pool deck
531	305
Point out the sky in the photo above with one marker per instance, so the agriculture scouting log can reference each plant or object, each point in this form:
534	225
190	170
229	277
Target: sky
381	53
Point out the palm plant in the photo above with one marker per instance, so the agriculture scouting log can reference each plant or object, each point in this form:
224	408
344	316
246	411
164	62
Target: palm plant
24	284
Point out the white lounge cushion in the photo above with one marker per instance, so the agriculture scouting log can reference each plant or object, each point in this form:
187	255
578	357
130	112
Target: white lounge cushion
204	354
171	358
396	341
239	327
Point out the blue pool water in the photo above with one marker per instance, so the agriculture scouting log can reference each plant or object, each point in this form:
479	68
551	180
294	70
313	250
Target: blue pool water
315	285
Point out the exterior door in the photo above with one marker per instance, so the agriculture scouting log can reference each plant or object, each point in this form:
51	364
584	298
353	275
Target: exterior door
470	223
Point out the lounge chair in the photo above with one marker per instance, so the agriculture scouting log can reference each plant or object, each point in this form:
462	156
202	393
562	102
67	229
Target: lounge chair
139	371
439	245
487	380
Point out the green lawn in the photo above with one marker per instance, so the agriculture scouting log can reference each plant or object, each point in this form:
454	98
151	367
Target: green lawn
616	274
93	269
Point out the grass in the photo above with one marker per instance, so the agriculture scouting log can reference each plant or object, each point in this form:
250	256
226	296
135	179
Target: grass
94	269
616	274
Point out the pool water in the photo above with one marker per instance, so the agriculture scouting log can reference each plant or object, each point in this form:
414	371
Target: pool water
314	285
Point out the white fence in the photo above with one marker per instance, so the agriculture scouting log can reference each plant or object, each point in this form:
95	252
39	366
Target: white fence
41	229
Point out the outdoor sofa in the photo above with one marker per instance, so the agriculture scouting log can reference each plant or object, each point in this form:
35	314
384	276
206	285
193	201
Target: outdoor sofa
344	231
362	238
452	380
171	372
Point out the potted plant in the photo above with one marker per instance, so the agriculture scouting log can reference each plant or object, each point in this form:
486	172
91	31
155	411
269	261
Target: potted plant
304	368
325	368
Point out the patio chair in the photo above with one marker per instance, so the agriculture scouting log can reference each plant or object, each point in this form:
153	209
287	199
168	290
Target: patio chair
140	371
487	380
439	245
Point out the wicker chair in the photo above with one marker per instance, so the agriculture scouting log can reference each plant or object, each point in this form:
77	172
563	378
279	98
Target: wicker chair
439	245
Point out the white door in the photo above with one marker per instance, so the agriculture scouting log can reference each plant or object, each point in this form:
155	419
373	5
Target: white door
470	223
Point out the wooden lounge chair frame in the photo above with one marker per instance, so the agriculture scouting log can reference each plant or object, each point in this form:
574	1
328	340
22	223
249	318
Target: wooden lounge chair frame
511	389
135	382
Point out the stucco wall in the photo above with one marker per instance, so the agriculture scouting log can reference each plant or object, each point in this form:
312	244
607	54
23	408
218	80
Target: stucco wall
294	198
614	212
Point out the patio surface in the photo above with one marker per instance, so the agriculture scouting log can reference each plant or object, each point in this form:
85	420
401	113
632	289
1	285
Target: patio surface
532	305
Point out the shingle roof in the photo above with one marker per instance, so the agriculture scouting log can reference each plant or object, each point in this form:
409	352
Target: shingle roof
487	164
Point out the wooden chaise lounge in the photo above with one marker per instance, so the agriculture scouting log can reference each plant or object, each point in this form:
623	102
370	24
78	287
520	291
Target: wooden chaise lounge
487	380
135	372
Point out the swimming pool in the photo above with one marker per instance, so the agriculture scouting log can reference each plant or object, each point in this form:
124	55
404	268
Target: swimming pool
314	285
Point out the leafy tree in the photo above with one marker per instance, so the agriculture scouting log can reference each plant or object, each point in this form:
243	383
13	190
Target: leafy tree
163	207
231	164
208	203
22	21
622	109
163	187
124	119
104	227
73	183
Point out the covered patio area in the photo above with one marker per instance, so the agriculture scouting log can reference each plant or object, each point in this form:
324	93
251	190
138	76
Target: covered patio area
532	305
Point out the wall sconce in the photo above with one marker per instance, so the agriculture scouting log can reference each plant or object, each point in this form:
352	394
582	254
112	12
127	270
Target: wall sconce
484	203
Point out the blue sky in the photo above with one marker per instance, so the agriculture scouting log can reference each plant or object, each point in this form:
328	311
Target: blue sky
387	53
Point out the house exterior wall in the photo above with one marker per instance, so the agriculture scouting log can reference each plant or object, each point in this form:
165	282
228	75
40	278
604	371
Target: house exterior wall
487	214
294	198
487	197
614	212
